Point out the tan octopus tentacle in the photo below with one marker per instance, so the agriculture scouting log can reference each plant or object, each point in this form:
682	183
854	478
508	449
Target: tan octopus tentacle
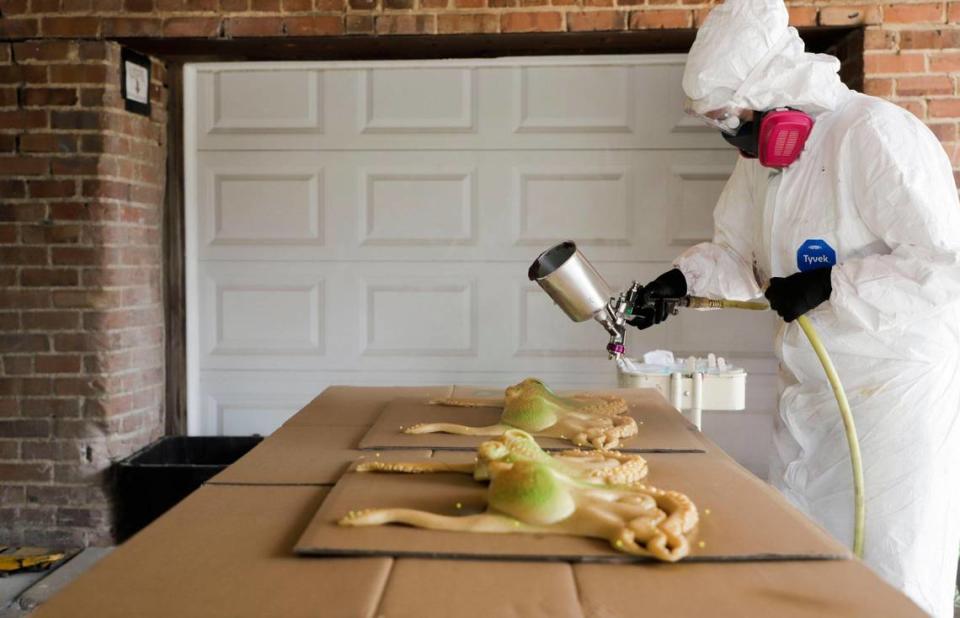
482	522
468	403
414	467
463	430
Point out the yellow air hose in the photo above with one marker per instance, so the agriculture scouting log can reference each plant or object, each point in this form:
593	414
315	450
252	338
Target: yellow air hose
859	509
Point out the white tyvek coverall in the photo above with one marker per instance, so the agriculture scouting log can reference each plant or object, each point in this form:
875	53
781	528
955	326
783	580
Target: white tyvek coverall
875	184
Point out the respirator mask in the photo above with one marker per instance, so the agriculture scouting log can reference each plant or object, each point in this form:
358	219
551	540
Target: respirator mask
776	137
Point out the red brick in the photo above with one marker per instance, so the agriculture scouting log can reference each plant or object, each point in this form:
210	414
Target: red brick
15	7
8	143
850	15
48	96
78	74
875	38
944	108
539	21
26	472
50	320
12	190
74	166
24	166
138	6
48	277
802	16
77	6
642	20
24	343
254	26
93	50
132	26
297	6
598	3
81	342
456	23
23	256
359	24
8	97
18	365
49	407
18	28
57	363
406	24
468	4
192	26
94	299
76	119
914	107
70	26
893	63
44	6
51	188
265	6
914	13
944	62
330	5
881	87
596	20
442	4
10	449
43	51
929	39
953	12
945	131
48	142
924	86
234	5
23	119
319	25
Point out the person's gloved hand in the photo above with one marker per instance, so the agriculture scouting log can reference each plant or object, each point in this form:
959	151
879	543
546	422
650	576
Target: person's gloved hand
797	294
650	308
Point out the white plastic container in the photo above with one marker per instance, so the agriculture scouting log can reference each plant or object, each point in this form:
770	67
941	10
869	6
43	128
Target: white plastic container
723	388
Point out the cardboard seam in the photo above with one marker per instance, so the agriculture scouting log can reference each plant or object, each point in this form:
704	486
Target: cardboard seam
383	589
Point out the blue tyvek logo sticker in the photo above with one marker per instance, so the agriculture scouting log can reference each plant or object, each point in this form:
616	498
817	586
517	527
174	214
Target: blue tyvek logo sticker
815	253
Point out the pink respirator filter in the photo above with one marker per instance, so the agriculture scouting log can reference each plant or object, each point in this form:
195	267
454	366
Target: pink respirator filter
783	134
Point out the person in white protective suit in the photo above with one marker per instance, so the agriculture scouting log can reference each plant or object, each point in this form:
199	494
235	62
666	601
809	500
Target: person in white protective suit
859	229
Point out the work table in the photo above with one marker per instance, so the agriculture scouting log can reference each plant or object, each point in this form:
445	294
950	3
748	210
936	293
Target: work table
226	550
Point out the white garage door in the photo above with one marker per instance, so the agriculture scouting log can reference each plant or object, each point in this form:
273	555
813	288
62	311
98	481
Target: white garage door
372	223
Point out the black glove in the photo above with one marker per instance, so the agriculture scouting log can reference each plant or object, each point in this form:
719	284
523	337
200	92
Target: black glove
797	294
650	308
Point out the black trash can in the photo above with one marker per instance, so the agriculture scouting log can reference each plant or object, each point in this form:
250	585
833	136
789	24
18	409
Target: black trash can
163	473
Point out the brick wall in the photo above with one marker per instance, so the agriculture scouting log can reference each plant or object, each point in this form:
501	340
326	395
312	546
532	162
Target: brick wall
81	317
81	334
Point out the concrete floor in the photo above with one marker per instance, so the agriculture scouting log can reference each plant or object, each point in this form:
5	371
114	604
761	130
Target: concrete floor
20	594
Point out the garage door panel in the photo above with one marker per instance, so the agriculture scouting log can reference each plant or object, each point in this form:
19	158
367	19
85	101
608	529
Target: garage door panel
258	206
266	102
396	202
449	105
247	315
416	100
545	103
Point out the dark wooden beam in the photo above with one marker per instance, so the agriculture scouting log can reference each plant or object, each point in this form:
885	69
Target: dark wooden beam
410	47
174	281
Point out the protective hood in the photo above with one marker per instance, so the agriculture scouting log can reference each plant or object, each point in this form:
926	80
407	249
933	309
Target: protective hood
747	56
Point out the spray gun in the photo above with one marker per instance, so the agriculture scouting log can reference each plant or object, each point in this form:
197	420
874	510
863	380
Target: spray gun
582	293
576	286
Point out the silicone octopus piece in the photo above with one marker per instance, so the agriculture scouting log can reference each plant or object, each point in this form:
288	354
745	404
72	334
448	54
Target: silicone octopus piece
602	467
585	420
534	497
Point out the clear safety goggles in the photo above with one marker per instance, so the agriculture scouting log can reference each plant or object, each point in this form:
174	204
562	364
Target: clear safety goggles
726	119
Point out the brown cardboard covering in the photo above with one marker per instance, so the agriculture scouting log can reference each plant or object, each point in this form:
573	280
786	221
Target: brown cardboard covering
746	520
300	455
460	589
225	551
358	405
661	427
737	590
